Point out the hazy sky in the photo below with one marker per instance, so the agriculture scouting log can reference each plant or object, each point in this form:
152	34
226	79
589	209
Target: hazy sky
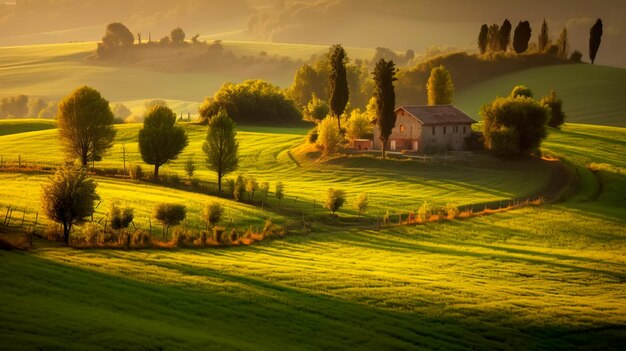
399	24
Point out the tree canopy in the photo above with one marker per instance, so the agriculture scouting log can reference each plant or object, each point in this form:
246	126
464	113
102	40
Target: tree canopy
514	126
85	124
555	105
177	35
69	197
504	35
384	93
253	101
221	146
521	37
521	90
440	87
595	38
544	37
338	92
160	139
482	38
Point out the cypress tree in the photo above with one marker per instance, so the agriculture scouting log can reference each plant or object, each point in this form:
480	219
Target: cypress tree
595	38
544	38
338	92
482	38
504	35
521	36
384	93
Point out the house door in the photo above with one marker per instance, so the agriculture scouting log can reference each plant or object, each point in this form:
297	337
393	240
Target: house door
393	145
415	145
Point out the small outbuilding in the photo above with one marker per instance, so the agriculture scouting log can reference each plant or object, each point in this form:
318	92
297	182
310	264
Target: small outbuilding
428	129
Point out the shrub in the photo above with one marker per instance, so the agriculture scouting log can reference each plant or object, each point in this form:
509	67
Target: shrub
386	217
312	136
424	212
251	187
136	172
213	213
316	110
169	215
190	167
576	56
239	188
329	136
280	191
555	105
91	233
195	183
359	125
120	218
335	198
521	90
451	211
362	202
175	179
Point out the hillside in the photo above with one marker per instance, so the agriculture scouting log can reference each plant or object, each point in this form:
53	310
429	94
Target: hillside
546	277
591	94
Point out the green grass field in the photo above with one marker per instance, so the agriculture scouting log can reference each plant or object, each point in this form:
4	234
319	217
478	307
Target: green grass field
267	155
548	277
591	94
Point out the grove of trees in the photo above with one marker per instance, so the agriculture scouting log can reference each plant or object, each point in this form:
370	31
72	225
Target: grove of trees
514	126
253	101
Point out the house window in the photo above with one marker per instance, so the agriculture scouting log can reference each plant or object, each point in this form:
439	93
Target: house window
444	130
433	130
463	129
402	128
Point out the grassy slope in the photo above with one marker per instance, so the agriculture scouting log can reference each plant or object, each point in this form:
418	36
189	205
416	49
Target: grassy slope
591	94
52	71
15	126
266	155
536	278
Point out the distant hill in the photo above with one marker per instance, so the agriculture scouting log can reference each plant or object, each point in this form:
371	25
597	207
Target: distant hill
591	94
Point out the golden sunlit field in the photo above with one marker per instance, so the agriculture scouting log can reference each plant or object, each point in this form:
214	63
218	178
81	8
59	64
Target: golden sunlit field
312	175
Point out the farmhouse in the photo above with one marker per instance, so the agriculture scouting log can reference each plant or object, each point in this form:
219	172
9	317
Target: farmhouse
428	129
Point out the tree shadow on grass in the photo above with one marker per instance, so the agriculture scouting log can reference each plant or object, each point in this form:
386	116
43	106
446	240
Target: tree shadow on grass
60	305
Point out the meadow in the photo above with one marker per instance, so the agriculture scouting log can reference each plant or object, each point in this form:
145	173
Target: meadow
591	93
273	155
547	277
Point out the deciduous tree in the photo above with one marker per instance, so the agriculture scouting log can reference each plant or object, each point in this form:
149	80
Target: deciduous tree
335	198
160	139
177	35
329	137
169	215
221	147
69	197
85	124
440	87
563	44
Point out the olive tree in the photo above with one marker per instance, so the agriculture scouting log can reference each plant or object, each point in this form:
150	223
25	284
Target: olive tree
85	124
69	197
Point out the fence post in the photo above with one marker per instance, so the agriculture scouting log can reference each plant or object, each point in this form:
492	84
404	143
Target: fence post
23	215
19	162
36	218
6	215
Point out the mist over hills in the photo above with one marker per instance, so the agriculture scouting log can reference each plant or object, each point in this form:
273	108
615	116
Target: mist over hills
397	24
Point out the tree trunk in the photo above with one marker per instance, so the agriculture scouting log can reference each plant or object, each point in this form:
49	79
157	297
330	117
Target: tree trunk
339	124
84	161
219	182
66	232
384	148
156	172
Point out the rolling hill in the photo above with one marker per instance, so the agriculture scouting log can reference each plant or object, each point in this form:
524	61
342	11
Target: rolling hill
547	277
591	94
